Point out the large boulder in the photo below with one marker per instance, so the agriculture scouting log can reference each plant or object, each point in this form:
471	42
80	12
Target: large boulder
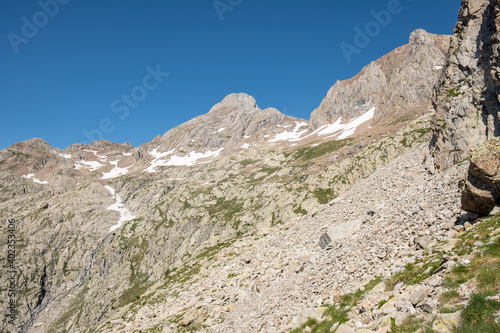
481	192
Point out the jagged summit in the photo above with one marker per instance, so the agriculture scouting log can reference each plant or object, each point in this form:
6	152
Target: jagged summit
421	37
398	83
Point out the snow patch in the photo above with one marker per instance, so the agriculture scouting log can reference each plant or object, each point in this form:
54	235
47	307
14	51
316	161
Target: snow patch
127	154
91	165
342	131
192	158
115	172
246	146
158	159
65	155
438	67
118	206
32	177
221	130
294	135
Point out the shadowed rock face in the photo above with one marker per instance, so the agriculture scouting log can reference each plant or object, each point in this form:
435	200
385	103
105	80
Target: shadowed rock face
399	82
466	97
482	189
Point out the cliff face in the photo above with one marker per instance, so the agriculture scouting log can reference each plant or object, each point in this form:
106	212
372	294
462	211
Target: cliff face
466	98
398	83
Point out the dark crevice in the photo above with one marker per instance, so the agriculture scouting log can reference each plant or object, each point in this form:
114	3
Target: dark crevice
43	291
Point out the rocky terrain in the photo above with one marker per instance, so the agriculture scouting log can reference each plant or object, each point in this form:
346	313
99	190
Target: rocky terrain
466	97
275	279
248	220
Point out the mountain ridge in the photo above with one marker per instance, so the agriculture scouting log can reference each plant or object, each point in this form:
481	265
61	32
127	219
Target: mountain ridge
204	227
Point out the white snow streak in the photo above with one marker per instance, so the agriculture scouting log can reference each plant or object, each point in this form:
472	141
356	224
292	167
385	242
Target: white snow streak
115	172
342	131
188	160
32	177
91	165
158	159
192	158
294	135
118	206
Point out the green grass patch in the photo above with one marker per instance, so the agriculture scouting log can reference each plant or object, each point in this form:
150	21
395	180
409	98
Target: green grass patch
337	313
308	153
478	315
410	325
450	296
382	302
227	209
324	196
454	92
332	314
246	163
415	273
300	211
402	119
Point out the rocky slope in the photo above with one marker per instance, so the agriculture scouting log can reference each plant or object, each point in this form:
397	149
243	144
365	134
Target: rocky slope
466	98
275	279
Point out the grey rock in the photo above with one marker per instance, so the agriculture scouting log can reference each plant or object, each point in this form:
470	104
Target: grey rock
418	297
324	241
466	99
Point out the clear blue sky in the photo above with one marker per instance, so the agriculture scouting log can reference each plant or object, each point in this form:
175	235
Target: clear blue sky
65	77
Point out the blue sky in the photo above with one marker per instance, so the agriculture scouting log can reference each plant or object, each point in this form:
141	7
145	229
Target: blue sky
67	66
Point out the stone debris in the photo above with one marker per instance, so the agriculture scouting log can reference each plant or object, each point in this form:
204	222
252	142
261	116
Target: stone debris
290	277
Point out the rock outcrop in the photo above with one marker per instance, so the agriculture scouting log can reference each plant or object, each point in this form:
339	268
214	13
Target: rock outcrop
399	83
466	97
482	187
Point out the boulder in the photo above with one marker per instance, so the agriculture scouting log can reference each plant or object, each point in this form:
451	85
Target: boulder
324	241
345	329
446	322
418	297
423	242
481	192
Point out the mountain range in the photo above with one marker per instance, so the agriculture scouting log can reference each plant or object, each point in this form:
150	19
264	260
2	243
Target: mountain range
250	220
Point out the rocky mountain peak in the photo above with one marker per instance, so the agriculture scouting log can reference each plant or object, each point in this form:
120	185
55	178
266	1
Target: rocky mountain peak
399	83
37	143
232	123
421	37
237	100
